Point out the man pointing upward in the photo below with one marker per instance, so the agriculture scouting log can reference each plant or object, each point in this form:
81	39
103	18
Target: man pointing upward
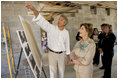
58	42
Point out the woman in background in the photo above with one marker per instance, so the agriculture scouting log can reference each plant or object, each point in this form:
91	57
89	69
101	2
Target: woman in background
107	47
83	52
97	54
44	42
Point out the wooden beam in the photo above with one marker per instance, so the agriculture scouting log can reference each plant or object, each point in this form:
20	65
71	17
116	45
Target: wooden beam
31	13
60	3
102	4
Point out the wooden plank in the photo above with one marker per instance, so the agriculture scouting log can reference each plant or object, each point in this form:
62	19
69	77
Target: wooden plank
102	4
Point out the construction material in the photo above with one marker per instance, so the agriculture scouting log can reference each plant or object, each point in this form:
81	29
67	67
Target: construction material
12	58
5	39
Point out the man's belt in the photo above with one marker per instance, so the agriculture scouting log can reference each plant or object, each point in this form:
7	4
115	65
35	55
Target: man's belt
55	52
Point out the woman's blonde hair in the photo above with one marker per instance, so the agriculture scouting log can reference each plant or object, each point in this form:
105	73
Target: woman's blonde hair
88	27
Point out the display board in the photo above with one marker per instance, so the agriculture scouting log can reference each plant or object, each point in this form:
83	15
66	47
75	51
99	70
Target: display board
30	47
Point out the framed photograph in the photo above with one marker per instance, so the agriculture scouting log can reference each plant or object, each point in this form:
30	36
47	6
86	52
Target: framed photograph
27	50
32	61
29	54
22	36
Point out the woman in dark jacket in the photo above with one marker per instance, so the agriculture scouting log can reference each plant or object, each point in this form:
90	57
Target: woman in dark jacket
107	48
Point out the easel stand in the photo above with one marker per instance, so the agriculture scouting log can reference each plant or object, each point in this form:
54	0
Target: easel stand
19	64
44	72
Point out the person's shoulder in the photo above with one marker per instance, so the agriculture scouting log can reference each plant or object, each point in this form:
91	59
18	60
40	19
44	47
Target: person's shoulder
77	43
66	31
112	35
100	35
91	42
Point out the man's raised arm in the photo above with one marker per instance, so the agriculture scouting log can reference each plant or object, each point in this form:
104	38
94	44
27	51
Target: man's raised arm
39	19
29	6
